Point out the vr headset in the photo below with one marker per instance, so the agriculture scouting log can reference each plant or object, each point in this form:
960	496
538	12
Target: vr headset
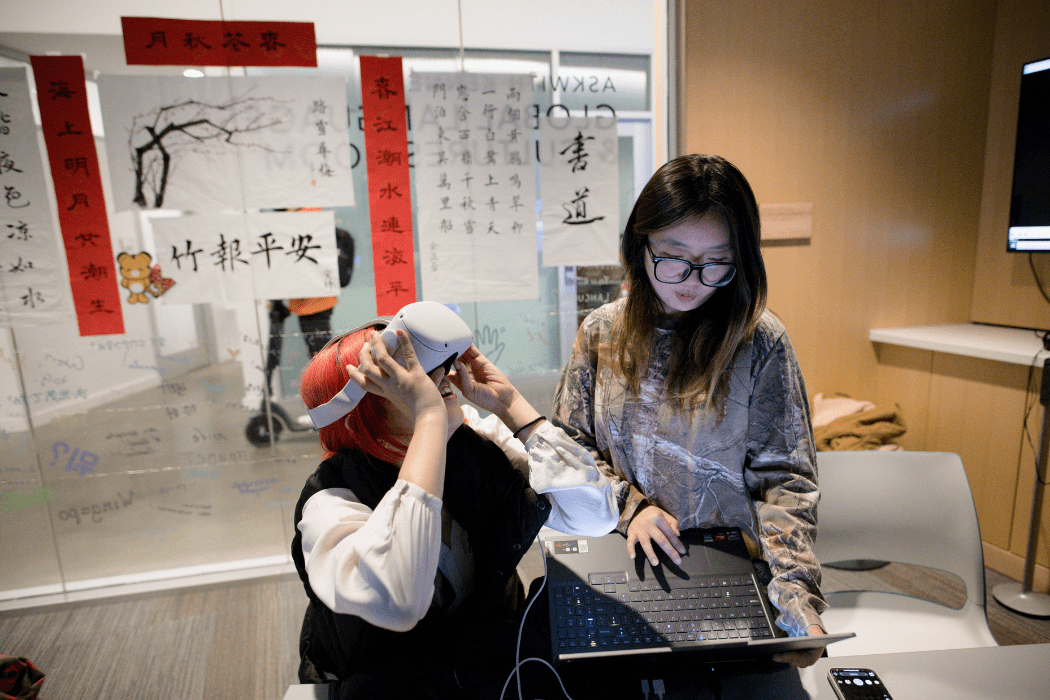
438	336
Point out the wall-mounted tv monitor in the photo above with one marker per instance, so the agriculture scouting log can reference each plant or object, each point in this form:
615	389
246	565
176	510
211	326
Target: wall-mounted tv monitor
1030	197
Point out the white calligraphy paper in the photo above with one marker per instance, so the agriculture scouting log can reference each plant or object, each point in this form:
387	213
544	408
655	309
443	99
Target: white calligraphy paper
33	290
475	186
207	144
237	257
579	186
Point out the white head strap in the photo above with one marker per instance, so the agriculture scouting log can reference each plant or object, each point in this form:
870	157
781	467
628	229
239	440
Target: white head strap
438	336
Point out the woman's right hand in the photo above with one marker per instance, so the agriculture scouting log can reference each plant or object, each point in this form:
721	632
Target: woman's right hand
409	388
652	524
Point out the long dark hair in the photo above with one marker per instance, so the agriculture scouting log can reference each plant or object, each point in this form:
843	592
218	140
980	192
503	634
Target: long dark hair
707	338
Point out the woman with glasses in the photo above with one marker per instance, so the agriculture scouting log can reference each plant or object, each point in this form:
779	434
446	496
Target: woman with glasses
688	393
408	533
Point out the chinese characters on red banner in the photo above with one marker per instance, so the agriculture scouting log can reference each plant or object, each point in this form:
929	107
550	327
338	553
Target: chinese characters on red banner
153	41
31	275
62	96
389	193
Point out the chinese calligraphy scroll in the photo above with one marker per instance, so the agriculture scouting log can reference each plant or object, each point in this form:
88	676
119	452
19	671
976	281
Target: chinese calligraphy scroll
62	97
579	188
389	190
476	186
153	41
209	144
31	289
238	257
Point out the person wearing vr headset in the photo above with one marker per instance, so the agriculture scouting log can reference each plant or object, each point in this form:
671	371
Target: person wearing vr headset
689	395
408	533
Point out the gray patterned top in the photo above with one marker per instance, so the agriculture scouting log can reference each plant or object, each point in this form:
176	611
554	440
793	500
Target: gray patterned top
756	470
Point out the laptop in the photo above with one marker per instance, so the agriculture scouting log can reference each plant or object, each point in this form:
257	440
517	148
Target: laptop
606	607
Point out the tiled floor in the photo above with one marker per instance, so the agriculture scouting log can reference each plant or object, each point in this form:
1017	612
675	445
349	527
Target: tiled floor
239	639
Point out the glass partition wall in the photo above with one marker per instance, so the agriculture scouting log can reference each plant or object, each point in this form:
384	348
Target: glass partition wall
148	456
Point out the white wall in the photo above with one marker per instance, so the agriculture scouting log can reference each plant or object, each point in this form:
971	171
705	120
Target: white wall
615	26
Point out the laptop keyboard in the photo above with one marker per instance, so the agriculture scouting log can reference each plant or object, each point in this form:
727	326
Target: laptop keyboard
615	611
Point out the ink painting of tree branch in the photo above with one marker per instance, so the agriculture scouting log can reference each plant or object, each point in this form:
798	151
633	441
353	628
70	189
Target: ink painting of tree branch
211	144
159	139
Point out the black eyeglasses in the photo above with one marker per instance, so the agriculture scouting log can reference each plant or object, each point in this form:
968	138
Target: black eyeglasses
676	270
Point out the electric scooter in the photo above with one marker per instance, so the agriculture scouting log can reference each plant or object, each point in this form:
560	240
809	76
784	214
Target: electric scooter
261	426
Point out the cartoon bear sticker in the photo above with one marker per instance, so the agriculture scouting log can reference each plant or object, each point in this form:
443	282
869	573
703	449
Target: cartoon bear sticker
135	269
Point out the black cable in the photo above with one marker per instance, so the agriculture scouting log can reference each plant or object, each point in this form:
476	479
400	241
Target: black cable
1035	275
1029	389
714	683
1032	391
517	650
1029	403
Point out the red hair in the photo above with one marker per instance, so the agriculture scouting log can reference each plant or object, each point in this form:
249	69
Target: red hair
365	426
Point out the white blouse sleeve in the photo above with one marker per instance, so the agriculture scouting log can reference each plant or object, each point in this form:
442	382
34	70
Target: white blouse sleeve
582	499
378	565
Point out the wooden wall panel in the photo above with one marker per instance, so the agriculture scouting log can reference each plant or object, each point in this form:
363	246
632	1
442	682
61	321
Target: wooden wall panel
903	379
879	115
976	410
868	111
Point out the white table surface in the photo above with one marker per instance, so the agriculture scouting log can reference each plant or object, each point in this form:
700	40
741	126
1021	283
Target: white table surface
1014	345
1019	672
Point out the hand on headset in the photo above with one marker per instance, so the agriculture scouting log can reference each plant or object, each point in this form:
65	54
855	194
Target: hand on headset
409	388
482	383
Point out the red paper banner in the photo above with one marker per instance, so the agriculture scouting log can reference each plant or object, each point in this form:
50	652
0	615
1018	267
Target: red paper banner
154	41
62	96
389	192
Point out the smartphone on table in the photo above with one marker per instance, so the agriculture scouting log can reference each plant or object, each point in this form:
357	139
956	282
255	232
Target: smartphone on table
857	684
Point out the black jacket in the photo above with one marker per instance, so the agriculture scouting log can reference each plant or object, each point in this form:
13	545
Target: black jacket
484	493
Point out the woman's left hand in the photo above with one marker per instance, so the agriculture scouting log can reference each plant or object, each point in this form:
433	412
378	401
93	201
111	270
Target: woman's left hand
409	388
804	658
482	383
